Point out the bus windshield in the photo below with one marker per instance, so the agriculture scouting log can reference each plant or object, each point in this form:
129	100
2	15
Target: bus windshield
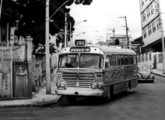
91	61
68	61
80	60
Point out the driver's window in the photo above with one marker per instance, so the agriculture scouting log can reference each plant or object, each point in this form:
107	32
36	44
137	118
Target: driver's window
71	61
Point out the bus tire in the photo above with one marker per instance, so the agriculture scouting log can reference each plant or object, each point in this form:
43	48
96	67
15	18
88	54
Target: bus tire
71	100
107	95
128	87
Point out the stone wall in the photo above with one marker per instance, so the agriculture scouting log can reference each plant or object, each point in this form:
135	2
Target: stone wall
15	52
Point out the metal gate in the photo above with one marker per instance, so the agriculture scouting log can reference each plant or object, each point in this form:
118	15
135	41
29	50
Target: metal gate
21	82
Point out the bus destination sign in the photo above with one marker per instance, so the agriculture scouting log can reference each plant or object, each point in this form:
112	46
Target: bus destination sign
80	49
80	42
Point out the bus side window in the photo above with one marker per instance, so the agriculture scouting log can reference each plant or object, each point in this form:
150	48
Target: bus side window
112	61
126	58
119	60
129	60
134	60
122	60
107	62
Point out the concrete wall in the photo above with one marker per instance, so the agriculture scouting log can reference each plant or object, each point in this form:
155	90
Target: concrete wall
152	59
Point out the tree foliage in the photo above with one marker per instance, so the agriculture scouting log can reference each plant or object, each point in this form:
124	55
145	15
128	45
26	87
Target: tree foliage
29	17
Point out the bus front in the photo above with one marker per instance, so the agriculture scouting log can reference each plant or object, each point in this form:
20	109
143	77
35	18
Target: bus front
80	71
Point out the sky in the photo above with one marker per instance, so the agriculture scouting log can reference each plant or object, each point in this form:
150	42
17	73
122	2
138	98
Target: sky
104	15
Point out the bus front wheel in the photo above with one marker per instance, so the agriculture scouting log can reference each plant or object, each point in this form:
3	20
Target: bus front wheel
108	94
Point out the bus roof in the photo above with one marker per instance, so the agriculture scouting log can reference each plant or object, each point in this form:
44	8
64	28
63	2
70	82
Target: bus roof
109	50
116	50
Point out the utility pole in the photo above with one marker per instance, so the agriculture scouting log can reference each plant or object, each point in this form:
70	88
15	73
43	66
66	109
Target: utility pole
65	39
70	30
0	8
162	37
0	17
48	80
48	84
126	29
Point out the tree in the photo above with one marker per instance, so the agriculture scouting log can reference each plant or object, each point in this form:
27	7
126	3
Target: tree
29	16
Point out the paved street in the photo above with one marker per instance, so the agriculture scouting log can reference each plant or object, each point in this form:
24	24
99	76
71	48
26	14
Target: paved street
146	102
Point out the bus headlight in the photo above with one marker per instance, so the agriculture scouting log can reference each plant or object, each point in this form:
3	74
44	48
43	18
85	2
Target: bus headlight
100	85
61	85
93	85
96	85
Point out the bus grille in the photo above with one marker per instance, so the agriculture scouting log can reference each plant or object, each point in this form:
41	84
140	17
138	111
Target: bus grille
81	80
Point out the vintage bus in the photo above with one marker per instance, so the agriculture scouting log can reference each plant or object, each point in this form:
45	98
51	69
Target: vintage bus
95	71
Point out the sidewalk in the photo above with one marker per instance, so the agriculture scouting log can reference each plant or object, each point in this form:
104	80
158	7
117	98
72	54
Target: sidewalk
39	98
158	72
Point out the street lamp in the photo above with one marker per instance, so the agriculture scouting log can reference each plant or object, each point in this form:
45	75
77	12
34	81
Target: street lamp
79	34
0	7
58	9
75	25
80	22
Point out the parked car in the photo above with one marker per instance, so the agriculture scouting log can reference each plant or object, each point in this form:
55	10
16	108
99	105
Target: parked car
145	74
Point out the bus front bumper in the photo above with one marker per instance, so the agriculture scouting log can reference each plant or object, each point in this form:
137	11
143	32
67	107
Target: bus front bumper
80	92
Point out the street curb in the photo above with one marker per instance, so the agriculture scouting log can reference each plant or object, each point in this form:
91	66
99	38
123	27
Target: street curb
30	103
158	74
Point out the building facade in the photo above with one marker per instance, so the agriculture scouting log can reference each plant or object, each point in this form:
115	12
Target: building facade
152	24
111	39
137	44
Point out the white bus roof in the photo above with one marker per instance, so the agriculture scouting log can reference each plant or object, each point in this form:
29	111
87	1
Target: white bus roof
109	50
116	50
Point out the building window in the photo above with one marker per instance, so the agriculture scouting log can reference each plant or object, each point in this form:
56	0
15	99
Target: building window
153	26
148	12
149	29
144	33
156	6
149	56
146	57
152	9
158	23
143	17
142	2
